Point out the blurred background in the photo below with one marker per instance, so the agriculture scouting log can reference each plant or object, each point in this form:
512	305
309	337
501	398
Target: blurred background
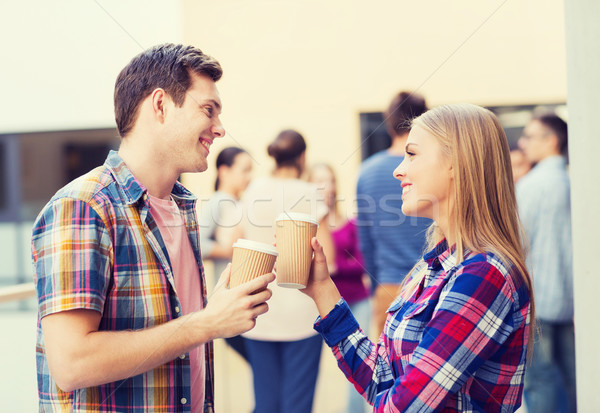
327	69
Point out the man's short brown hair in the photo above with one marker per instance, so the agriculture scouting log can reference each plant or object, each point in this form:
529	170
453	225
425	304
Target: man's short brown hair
165	66
402	110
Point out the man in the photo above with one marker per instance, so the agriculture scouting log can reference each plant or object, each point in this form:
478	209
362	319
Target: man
123	322
391	243
543	197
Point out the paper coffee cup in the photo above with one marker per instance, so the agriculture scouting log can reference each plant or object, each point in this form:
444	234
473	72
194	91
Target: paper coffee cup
250	260
294	232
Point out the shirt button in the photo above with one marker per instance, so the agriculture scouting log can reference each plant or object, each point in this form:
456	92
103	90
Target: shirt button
176	309
183	400
182	356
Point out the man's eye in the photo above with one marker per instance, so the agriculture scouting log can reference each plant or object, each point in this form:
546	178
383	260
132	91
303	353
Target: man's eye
210	111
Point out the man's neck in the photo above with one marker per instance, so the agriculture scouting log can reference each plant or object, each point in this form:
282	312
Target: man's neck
398	145
144	165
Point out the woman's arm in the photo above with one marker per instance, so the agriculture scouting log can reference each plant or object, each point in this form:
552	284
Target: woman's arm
365	364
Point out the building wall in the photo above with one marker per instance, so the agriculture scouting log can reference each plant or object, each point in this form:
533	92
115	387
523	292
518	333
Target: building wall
60	58
315	65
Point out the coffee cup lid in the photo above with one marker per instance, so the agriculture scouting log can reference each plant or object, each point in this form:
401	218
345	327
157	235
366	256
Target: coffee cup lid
296	216
255	246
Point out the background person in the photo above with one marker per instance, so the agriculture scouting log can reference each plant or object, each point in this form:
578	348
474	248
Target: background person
390	242
220	218
349	278
456	337
520	164
123	320
284	351
544	200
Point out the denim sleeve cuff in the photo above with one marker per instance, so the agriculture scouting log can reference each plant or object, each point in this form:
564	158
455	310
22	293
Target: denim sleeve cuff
337	325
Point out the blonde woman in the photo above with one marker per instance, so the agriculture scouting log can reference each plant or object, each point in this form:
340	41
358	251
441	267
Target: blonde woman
456	337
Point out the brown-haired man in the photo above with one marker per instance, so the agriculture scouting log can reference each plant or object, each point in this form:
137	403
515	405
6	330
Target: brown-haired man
544	200
123	322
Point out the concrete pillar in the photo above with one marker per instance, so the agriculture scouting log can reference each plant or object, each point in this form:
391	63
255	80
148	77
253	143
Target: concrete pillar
583	100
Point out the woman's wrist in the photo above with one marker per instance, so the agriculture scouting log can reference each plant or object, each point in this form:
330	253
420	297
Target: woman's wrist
326	296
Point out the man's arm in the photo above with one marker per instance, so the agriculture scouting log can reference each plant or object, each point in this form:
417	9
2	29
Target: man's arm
80	356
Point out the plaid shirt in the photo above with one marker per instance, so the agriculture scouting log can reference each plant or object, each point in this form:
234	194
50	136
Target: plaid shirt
458	344
96	246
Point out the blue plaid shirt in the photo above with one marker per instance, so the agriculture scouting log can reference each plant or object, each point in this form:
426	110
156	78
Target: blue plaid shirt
457	344
96	246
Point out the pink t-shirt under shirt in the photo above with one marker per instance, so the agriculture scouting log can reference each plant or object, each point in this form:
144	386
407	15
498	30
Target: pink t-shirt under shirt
186	274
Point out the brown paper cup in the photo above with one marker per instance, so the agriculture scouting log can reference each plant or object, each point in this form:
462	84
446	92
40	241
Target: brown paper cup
294	232
250	260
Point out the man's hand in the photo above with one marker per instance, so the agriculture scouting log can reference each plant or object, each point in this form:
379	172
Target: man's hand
230	312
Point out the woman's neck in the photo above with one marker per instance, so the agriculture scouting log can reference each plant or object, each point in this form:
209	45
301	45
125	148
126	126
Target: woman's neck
287	172
229	190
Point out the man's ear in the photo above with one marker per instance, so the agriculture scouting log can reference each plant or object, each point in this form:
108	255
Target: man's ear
158	98
553	139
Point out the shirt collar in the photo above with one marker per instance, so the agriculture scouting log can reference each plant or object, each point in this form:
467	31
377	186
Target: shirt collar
442	257
551	162
134	189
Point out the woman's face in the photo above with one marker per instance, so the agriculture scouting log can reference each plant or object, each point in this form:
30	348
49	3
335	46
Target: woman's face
426	176
325	181
239	174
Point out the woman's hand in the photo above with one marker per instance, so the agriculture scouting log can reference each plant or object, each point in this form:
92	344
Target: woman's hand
320	286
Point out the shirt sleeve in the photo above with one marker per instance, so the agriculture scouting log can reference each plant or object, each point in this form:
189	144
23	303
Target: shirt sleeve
364	364
469	323
71	251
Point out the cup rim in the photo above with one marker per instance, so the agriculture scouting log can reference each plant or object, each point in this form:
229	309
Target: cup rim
255	246
296	216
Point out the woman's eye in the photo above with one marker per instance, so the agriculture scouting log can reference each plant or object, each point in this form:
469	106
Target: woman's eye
410	154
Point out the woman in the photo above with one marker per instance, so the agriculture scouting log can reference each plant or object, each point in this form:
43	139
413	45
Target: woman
456	336
220	218
283	349
350	278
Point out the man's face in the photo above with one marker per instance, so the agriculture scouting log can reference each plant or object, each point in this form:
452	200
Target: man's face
192	128
537	142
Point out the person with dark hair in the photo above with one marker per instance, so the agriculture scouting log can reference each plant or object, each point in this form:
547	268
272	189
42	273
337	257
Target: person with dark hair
283	349
220	218
123	319
544	200
390	242
520	164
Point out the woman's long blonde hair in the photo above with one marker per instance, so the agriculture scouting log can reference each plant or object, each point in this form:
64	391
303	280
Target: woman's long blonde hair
484	212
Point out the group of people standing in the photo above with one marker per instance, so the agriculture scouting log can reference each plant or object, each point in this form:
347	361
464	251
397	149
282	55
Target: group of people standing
124	321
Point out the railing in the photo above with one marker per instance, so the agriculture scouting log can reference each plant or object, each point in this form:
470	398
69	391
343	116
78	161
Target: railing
17	292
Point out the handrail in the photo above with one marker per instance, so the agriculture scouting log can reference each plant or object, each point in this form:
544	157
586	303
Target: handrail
17	292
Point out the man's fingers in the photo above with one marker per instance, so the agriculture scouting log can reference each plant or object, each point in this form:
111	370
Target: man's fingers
260	309
257	284
260	297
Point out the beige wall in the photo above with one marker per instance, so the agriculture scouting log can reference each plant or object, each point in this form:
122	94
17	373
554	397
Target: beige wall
60	58
582	18
315	65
